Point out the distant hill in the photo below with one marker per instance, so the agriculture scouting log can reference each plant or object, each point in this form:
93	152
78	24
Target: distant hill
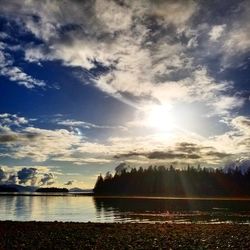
7	188
16	188
52	190
79	190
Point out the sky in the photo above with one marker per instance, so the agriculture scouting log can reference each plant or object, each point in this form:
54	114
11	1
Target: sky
86	86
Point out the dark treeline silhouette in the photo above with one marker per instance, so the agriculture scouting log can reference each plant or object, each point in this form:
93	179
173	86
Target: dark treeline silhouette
6	188
52	190
161	181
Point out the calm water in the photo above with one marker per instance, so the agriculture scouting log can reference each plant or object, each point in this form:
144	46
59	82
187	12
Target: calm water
86	208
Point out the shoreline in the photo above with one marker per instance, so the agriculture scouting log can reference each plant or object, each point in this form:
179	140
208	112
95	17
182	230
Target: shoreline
76	235
241	198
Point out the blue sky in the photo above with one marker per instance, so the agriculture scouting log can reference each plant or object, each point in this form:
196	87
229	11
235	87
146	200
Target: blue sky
87	85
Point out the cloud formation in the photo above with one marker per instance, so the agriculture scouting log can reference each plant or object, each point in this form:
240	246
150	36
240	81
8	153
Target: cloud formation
183	152
27	174
33	176
142	62
60	145
47	179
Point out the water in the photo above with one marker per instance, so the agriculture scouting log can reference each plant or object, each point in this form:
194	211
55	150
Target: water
87	208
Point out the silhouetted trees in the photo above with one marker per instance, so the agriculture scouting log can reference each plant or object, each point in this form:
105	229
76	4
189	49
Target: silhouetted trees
52	190
161	181
6	188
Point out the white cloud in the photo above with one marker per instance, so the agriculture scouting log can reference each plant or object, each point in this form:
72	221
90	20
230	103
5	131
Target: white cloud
16	74
216	32
237	140
225	104
39	144
35	54
82	160
12	119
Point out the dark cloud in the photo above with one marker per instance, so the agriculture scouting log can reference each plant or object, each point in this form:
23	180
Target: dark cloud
127	155
159	155
15	137
69	183
121	167
171	155
187	147
190	147
8	138
217	154
182	151
31	176
27	174
245	122
47	179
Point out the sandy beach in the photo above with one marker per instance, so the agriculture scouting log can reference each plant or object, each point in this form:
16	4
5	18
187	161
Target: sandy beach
58	235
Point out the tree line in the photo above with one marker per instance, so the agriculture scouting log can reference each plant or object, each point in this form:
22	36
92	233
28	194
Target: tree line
162	181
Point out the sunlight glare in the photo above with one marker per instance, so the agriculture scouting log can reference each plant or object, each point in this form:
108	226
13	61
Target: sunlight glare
160	117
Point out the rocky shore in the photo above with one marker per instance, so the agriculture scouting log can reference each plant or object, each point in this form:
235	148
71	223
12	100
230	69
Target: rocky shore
59	235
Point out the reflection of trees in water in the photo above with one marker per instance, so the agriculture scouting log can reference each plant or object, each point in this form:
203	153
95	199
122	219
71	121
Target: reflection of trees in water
170	209
139	204
47	208
163	205
27	207
16	207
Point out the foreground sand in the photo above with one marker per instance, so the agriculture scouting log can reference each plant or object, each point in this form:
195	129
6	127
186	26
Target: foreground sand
58	235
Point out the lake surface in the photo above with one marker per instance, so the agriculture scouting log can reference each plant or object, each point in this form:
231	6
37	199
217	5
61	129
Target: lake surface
87	208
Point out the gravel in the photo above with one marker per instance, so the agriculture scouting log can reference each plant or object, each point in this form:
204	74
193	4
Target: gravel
59	235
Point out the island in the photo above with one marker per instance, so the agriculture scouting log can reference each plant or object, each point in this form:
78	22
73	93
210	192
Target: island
52	190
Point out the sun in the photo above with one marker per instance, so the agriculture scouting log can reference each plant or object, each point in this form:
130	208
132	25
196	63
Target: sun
160	117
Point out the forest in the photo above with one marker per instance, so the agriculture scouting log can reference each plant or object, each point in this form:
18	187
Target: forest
162	181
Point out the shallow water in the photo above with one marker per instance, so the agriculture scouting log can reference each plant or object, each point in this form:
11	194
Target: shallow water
87	208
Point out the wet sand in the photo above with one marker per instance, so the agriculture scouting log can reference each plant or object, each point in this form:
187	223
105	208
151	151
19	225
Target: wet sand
59	235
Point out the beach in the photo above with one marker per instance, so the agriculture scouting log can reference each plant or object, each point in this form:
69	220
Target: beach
69	235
